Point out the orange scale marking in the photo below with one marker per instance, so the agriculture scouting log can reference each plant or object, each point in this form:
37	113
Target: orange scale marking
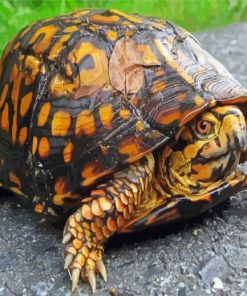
60	123
131	18
43	114
167	118
67	152
34	145
131	146
44	147
97	18
85	123
26	103
92	171
23	135
112	35
48	31
5	118
4	94
106	115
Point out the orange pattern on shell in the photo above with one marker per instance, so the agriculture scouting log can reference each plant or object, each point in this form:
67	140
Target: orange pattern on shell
47	32
34	145
43	114
23	135
97	18
112	35
134	19
131	146
26	103
106	115
168	118
67	152
4	94
5	118
44	147
60	123
85	123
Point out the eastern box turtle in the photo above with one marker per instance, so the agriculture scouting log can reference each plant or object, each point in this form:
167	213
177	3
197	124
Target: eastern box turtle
119	122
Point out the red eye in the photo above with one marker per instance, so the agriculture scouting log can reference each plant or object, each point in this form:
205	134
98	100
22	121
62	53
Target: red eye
203	127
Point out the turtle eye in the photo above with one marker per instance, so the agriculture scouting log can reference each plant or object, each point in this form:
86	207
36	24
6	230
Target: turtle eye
203	127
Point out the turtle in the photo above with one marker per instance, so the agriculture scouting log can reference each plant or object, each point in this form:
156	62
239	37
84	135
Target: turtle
116	122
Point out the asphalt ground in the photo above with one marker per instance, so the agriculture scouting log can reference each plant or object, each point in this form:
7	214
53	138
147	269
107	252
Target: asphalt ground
204	256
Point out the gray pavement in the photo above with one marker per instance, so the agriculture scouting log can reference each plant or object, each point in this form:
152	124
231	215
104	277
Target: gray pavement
206	256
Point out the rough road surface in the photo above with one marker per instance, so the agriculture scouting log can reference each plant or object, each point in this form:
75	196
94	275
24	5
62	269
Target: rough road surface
206	256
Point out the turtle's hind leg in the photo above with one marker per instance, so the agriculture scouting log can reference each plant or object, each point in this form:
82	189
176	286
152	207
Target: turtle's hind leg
103	213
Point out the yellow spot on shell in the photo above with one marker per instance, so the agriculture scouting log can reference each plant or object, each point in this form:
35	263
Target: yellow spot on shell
112	35
129	17
98	18
81	12
199	101
60	123
106	115
85	123
43	114
124	113
25	103
139	126
149	58
70	29
32	65
58	46
44	147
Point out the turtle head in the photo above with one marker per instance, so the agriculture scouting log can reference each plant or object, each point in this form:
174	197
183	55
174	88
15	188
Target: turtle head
205	154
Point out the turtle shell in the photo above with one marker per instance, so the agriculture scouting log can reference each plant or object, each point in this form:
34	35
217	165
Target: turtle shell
87	92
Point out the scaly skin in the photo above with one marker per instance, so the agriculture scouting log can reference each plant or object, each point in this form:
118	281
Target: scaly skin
102	214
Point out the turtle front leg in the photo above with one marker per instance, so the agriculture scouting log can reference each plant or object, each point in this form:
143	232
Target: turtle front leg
103	213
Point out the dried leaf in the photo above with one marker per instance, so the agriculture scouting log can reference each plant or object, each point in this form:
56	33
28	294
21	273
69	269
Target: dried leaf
126	65
125	69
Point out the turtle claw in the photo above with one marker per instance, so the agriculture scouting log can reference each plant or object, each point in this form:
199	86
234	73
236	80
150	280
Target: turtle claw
75	278
67	237
102	270
81	256
92	280
69	258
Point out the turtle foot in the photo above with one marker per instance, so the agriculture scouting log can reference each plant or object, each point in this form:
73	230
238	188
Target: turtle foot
82	254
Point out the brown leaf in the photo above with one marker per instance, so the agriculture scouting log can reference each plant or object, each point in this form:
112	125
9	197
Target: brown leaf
126	66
